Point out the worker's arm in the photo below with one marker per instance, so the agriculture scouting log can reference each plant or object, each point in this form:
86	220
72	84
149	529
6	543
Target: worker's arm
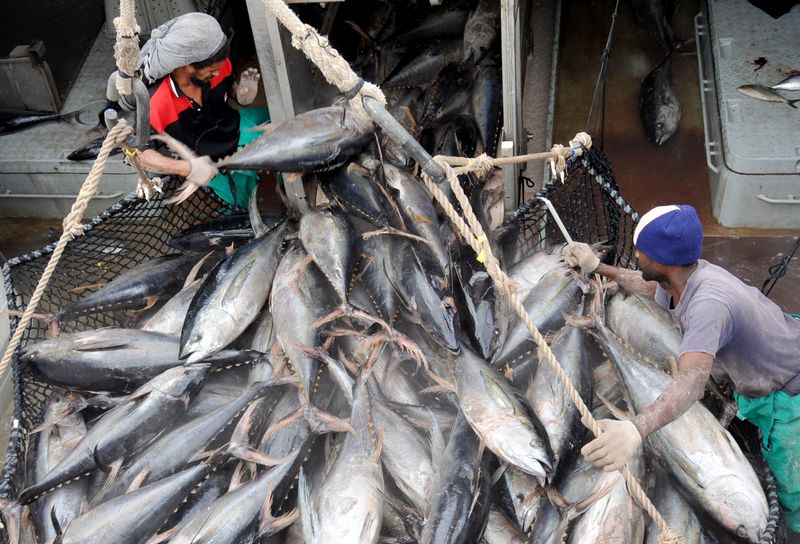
154	161
619	440
630	281
694	369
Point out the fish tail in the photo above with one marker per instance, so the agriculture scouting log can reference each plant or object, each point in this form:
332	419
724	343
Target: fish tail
793	102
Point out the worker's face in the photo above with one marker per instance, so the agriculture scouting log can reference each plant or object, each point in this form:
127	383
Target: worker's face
203	76
651	270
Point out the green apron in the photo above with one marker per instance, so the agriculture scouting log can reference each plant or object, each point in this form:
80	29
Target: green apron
235	187
777	415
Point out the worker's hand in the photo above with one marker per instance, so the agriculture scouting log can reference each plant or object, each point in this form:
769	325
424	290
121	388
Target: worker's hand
248	86
581	255
614	447
201	169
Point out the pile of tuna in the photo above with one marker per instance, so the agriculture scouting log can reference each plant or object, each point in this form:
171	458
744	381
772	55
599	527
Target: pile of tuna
353	376
439	67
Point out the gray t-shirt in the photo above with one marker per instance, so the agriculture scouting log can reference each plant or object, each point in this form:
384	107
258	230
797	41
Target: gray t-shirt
755	345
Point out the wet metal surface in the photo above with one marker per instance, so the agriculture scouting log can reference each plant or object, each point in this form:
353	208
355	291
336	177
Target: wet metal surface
651	175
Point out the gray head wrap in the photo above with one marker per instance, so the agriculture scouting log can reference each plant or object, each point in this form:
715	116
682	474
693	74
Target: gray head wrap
190	38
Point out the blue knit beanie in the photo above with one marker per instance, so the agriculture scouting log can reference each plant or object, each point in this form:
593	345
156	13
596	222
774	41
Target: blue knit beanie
670	235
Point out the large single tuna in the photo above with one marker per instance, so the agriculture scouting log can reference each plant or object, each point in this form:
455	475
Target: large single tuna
503	421
459	503
232	295
138	287
317	140
52	445
348	507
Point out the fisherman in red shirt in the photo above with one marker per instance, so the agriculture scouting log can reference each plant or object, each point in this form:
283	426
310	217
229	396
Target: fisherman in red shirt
187	59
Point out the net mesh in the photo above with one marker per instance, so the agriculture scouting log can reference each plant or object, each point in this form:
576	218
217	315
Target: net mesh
133	231
130	232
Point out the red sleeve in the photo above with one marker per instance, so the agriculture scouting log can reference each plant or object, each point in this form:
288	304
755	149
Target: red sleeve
162	107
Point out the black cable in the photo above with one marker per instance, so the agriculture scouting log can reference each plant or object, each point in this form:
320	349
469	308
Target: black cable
777	271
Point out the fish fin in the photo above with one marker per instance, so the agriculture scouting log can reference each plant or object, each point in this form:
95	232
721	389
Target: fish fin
56	524
271	526
192	276
97	344
435	389
103	467
89	287
616	411
498	473
323	422
348	364
376	456
138	480
406	344
308	515
237	479
444	383
163	537
75	405
396	232
236	286
259	229
340	376
438	444
283	423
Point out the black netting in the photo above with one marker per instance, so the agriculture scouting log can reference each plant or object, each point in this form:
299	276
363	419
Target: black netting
128	233
133	231
590	207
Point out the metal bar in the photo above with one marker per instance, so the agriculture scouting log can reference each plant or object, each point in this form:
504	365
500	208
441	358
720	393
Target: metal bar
791	200
512	96
557	218
401	136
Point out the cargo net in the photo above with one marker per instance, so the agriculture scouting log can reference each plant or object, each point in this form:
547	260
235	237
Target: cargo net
134	231
590	207
130	232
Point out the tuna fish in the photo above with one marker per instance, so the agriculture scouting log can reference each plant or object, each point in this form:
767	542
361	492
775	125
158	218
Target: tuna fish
317	140
658	103
503	421
459	505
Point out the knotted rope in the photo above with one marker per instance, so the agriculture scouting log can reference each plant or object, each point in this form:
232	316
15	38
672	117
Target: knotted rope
72	229
126	47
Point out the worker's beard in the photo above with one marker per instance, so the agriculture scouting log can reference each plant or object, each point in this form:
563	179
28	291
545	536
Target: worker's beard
651	275
200	82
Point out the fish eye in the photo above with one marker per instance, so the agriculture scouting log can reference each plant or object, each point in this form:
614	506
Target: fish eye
659	125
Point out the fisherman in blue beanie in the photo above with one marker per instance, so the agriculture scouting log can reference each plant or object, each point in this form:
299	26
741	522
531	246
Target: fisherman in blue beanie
730	331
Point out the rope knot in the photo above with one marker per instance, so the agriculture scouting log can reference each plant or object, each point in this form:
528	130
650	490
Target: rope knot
481	165
579	143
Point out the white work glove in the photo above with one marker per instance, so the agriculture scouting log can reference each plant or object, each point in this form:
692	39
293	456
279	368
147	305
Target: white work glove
201	169
248	86
581	255
614	447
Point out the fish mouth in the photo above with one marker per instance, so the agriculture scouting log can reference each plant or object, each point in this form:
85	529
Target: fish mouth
191	356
